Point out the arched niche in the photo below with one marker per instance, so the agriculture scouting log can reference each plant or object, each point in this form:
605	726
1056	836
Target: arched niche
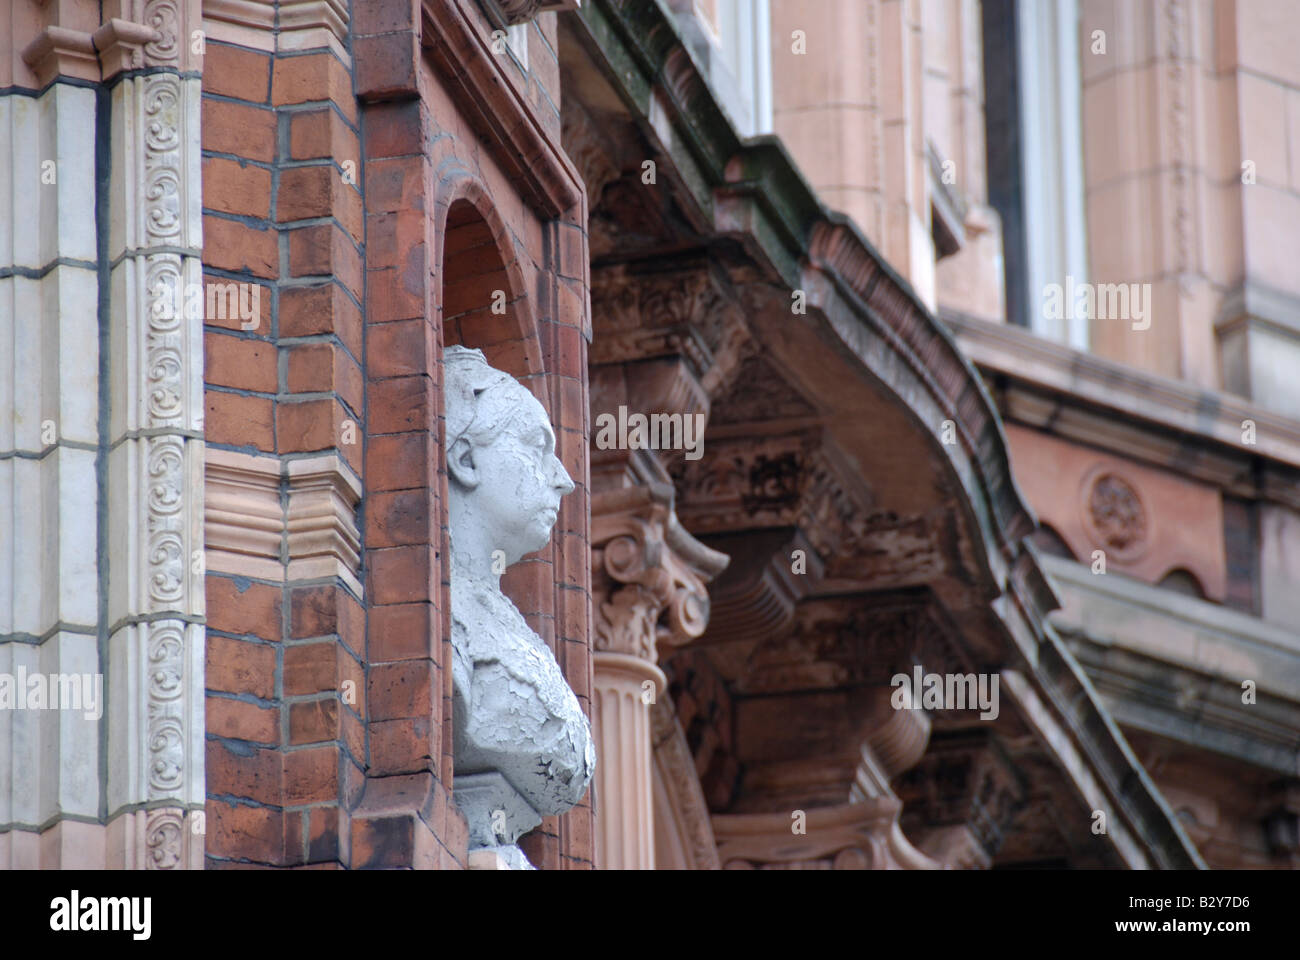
483	304
482	300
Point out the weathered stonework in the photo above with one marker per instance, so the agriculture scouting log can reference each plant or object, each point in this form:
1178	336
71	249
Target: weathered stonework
523	745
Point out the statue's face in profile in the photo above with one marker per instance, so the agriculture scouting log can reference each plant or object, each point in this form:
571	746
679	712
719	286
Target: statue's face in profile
514	482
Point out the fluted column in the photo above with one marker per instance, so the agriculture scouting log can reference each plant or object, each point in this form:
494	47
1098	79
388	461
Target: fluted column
623	688
648	587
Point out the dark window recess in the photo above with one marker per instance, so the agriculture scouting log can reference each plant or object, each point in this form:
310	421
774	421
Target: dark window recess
1241	544
1004	149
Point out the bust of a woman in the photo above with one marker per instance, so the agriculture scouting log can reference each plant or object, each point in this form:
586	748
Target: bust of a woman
522	743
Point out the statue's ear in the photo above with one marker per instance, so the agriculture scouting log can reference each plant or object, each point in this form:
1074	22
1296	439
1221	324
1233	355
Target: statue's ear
460	463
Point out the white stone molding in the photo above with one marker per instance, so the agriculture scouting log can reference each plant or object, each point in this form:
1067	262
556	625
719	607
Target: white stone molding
155	484
153	460
321	523
248	23
310	533
309	24
49	504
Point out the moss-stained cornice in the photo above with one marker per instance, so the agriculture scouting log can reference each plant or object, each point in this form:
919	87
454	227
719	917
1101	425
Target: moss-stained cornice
752	191
752	188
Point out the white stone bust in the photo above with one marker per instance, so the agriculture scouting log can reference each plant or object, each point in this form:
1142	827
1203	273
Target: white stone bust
522	746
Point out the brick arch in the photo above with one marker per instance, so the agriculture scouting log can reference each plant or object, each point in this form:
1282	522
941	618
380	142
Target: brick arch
477	258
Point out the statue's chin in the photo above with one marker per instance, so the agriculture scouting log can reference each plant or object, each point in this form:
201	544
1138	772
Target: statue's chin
539	533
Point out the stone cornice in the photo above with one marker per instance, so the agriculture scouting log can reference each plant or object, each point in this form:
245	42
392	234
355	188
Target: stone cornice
1198	635
1127	393
753	191
249	532
498	112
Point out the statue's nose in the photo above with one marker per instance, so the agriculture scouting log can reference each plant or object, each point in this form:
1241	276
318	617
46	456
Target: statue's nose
563	482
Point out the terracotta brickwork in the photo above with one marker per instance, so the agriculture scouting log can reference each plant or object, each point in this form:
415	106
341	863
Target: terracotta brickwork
286	745
239	517
358	194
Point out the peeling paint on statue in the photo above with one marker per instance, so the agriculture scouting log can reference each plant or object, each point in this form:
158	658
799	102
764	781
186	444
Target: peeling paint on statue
523	746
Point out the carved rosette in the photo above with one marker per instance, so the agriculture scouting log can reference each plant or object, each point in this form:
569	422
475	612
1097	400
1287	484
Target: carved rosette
1114	515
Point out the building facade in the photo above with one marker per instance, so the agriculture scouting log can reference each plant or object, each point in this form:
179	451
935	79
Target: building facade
984	316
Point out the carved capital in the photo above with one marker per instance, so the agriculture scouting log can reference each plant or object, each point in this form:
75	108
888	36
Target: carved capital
521	11
650	575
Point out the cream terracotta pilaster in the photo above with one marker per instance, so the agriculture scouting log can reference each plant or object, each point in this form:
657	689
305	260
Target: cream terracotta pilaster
155	717
120	790
648	588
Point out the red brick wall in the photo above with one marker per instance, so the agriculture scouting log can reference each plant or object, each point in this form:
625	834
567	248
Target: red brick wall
285	752
446	229
364	284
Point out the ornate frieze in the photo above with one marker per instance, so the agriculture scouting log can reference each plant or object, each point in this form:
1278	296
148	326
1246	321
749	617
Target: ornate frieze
692	312
850	640
155	464
968	780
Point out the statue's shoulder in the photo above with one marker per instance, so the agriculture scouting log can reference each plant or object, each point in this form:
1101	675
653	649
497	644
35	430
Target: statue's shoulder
489	627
